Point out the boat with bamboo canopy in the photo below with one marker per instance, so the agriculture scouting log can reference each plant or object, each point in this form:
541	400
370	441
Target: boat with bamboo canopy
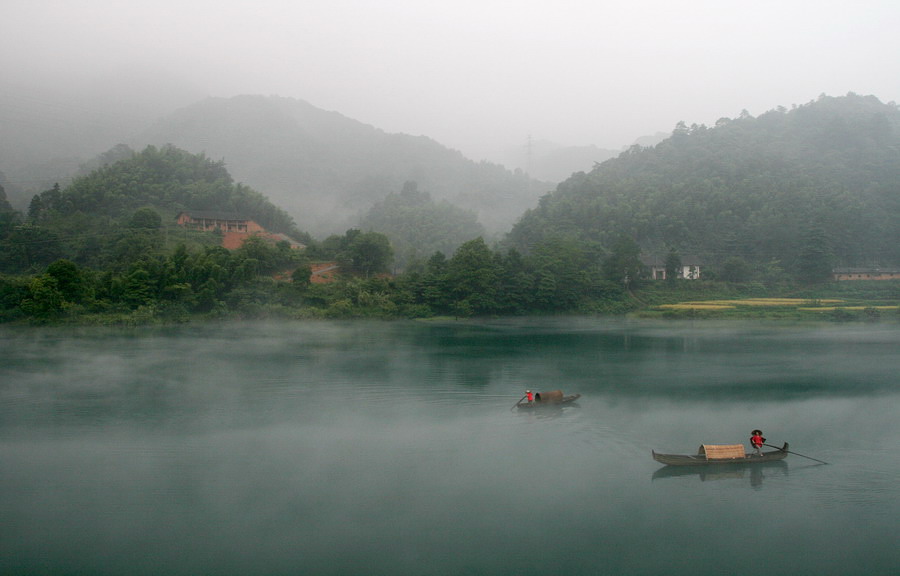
718	454
554	398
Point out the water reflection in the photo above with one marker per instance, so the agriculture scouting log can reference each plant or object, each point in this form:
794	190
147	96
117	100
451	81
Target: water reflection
754	473
548	412
392	448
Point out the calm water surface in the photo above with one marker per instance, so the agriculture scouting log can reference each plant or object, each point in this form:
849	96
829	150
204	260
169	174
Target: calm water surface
391	448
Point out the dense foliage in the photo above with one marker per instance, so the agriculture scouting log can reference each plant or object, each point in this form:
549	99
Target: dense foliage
106	247
166	178
127	209
163	286
807	189
417	226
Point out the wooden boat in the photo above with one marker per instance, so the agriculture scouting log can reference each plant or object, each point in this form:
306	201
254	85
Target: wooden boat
718	454
548	399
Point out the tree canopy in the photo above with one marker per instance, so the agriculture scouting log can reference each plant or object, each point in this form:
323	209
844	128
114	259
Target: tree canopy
746	188
752	197
417	226
119	212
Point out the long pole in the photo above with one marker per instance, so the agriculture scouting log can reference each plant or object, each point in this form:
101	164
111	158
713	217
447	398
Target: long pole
795	454
517	403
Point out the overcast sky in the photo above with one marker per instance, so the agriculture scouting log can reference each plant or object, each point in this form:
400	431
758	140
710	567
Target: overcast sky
483	74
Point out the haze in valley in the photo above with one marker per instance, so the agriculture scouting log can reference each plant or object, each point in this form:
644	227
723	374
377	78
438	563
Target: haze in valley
548	88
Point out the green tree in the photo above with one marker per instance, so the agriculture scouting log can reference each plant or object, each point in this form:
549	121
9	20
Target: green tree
35	208
673	266
45	301
417	226
13	291
141	238
432	288
815	260
258	256
29	247
472	277
564	271
368	253
145	219
9	221
70	281
5	206
735	269
516	285
138	288
624	264
43	205
301	277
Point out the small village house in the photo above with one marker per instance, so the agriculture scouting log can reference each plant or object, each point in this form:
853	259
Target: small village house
221	221
233	227
656	266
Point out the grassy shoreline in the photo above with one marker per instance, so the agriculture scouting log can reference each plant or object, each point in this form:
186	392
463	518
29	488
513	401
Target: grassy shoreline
834	302
867	301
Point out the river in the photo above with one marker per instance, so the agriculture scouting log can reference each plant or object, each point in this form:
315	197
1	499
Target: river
391	448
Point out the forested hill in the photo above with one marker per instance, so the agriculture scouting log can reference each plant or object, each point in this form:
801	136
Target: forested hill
326	169
168	179
822	177
92	221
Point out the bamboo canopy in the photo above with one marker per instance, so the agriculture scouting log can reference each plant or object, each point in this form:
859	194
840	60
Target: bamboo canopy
722	451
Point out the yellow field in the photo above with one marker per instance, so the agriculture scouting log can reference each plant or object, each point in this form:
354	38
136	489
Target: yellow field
696	306
798	303
832	308
724	304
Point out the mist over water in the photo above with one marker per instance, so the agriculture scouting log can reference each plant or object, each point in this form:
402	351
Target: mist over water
391	448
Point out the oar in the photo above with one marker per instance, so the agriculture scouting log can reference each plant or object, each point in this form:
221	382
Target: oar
517	403
795	454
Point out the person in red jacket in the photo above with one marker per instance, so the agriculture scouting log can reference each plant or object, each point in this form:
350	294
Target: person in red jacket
529	396
757	441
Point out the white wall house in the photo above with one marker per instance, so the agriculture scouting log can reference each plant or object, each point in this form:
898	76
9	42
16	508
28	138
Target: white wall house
690	267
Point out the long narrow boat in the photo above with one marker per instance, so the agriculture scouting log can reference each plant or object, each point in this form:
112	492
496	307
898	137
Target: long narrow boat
717	454
547	400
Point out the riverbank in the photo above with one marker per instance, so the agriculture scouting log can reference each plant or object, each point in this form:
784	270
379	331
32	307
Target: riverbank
833	302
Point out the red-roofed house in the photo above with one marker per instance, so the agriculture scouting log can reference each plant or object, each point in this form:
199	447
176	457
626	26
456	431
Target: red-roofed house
234	228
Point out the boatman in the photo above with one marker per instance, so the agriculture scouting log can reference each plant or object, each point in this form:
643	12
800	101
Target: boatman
529	396
757	441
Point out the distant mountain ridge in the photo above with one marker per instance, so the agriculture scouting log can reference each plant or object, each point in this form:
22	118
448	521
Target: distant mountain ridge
327	170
